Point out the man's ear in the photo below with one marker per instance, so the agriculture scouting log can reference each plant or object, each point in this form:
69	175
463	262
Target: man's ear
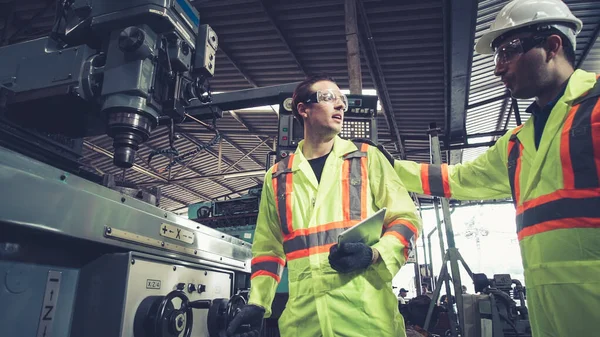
553	46
302	109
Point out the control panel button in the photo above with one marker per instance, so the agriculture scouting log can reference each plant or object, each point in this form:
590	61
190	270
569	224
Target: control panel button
201	288
180	286
191	288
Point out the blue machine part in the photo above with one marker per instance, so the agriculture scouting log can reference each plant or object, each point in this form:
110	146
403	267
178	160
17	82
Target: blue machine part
189	12
22	292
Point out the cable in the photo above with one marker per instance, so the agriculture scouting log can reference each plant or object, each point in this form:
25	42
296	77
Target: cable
512	325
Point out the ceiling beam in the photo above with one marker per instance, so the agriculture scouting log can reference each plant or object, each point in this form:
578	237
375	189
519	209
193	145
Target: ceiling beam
590	44
238	67
191	169
369	51
460	18
282	36
211	152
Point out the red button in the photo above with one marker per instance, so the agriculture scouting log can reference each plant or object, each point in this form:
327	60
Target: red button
284	138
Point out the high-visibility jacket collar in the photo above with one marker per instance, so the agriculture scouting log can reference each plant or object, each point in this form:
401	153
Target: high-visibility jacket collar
340	149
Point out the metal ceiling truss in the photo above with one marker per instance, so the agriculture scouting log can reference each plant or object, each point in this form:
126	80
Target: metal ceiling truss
216	155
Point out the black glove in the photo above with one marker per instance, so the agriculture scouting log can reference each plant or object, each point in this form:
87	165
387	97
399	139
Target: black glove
350	256
247	323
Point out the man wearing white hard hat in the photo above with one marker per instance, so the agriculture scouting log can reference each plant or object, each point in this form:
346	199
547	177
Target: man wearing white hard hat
550	165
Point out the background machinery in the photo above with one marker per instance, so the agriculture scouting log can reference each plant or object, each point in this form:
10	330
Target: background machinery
89	255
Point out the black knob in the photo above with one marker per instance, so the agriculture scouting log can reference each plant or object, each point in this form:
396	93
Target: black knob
191	288
130	39
201	288
180	286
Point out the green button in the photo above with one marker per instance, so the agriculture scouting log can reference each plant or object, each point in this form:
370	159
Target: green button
284	129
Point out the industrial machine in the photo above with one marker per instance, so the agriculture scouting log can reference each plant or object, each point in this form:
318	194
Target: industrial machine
89	255
494	312
359	122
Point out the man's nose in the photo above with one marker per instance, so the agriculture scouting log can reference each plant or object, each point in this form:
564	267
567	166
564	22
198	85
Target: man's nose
500	68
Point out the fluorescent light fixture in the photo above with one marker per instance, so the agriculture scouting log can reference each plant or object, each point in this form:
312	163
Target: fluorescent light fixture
244	174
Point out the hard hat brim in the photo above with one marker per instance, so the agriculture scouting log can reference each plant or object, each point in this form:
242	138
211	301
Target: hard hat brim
484	44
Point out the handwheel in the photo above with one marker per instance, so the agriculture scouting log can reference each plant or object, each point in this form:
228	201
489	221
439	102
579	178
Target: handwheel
222	312
157	316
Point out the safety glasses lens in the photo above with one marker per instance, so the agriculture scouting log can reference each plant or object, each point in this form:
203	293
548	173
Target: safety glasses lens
508	52
331	97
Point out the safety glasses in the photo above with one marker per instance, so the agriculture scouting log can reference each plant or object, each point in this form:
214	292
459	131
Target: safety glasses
329	96
510	51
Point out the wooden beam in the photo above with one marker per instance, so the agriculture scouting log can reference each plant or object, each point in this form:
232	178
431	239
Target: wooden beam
353	48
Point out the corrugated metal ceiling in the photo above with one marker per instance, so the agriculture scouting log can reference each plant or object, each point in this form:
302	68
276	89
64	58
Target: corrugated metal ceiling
268	42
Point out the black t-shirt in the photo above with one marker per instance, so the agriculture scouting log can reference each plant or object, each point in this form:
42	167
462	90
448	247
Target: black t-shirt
317	165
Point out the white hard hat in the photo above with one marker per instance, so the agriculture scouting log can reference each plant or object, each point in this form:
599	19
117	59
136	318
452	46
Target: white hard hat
522	13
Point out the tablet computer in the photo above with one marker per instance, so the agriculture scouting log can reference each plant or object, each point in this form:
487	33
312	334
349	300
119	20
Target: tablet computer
368	231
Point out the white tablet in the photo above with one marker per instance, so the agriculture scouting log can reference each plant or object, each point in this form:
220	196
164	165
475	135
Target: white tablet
368	231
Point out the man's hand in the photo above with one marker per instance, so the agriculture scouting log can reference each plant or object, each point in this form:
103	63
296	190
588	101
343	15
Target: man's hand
247	323
350	256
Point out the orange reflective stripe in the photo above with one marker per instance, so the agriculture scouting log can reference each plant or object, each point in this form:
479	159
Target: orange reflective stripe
556	195
445	180
310	251
266	273
267	258
289	183
346	189
404	231
580	222
403	240
282	187
425	179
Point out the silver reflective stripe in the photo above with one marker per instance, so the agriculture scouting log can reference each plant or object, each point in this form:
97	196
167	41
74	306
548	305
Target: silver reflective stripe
403	230
561	209
355	188
355	181
312	240
436	182
270	266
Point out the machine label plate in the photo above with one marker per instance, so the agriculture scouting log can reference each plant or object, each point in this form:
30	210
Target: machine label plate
49	304
152	284
176	233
